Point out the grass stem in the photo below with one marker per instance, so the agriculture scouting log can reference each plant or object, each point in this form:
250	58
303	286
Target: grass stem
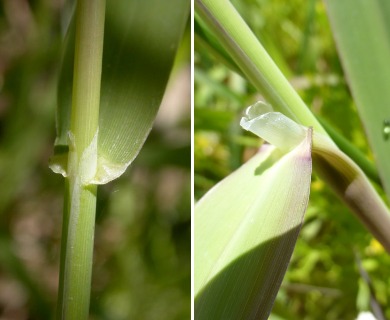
80	195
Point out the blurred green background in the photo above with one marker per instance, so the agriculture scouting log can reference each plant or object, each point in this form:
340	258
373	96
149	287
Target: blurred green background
323	280
142	254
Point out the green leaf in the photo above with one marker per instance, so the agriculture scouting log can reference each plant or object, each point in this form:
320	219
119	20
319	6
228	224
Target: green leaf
140	42
362	32
245	231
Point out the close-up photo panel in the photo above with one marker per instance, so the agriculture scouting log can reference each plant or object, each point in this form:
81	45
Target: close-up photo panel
291	159
95	159
194	160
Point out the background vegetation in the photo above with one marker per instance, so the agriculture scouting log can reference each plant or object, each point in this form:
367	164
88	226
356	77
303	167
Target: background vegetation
142	240
323	281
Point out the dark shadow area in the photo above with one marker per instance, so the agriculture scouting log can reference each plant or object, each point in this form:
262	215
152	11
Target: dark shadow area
245	283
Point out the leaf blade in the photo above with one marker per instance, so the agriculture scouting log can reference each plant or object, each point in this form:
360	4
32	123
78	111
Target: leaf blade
239	276
362	33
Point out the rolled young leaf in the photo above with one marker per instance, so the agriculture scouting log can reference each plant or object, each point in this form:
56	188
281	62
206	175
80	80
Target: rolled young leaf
246	228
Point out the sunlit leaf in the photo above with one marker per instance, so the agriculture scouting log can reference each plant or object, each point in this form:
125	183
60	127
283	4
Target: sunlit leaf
245	231
246	226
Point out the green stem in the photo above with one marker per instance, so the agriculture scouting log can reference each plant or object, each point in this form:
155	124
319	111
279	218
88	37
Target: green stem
80	196
236	37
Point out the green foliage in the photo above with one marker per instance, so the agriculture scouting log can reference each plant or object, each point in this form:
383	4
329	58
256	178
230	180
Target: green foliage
323	279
